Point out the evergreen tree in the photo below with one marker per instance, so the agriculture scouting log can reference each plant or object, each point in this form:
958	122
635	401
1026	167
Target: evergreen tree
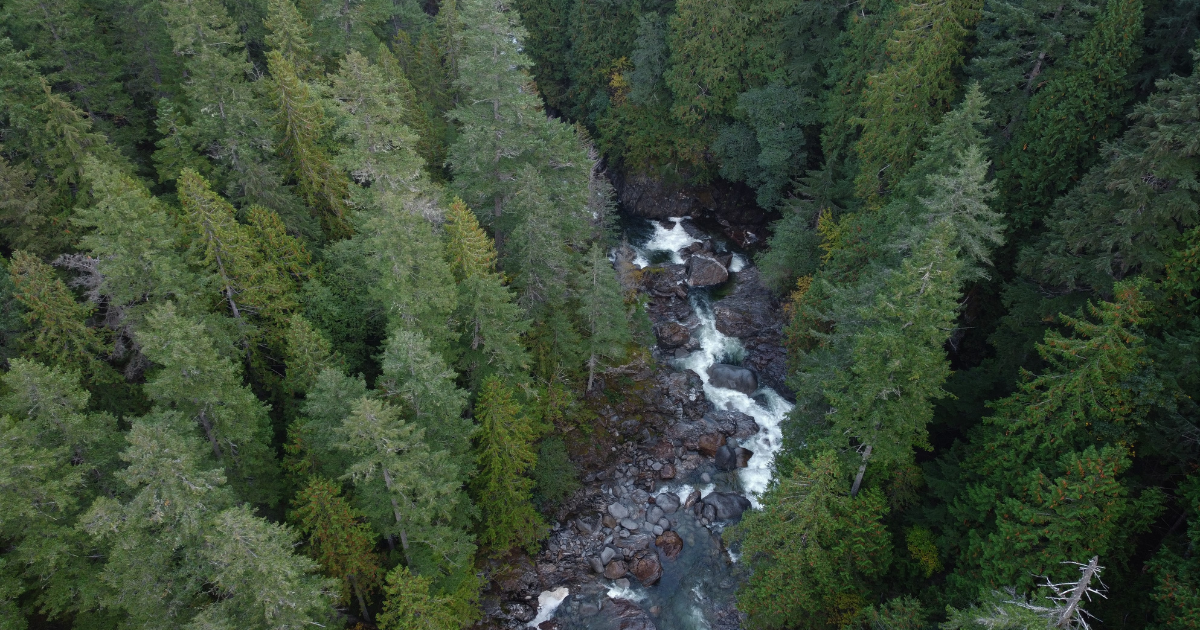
344	547
423	385
602	311
289	34
1072	114
58	333
505	454
300	120
206	388
340	26
410	604
903	101
1124	217
812	548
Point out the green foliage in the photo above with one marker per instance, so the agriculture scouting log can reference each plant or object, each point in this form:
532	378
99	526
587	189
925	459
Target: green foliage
505	454
344	547
419	381
812	549
409	604
554	474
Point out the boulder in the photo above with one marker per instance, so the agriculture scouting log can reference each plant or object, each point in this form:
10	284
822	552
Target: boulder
668	502
670	544
733	377
618	511
708	444
597	565
734	424
671	334
705	271
726	460
607	555
692	498
727	506
647	569
520	611
629	616
634	543
667	472
743	456
615	569
655	513
668	280
750	309
629	524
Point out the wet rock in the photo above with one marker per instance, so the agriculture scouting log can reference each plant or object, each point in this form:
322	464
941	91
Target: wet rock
597	564
670	544
635	543
705	271
614	570
549	624
647	569
733	423
709	444
664	523
668	502
607	555
629	524
727	506
618	511
520	611
671	334
726	460
629	616
588	610
743	456
667	472
708	513
692	498
751	313
609	521
706	478
654	513
733	377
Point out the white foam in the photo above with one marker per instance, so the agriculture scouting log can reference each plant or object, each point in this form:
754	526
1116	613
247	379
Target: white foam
738	263
627	592
670	240
548	602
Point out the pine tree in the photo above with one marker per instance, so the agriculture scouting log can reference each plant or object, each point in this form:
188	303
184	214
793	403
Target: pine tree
410	604
1078	109
1124	217
505	454
308	353
206	388
602	311
300	120
421	383
811	548
468	248
289	34
340	26
903	101
404	488
344	547
58	333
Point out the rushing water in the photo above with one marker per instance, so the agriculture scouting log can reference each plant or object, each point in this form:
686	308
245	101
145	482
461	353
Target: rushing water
698	586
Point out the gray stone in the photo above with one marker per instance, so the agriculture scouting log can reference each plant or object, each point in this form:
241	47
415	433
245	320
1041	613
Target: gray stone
727	506
705	271
597	564
743	456
725	458
647	526
607	555
618	511
733	377
664	523
655	513
589	610
706	478
709	514
656	466
629	524
693	497
658	530
668	502
671	335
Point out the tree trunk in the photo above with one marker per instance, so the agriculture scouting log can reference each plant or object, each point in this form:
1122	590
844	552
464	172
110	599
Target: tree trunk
861	470
387	481
208	431
362	603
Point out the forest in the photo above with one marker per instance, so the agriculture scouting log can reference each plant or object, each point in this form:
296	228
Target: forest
313	313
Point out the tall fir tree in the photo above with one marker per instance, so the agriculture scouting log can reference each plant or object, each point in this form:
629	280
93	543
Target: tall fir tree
343	546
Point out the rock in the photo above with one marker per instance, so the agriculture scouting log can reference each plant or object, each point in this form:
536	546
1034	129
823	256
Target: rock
656	466
618	511
668	502
597	564
708	444
622	583
670	544
583	527
671	335
733	424
664	523
708	515
752	314
658	530
743	456
520	612
705	477
607	555
635	543
654	514
727	506
692	498
647	569
609	521
629	524
705	271
588	610
549	624
725	458
733	377
667	472
614	570
629	616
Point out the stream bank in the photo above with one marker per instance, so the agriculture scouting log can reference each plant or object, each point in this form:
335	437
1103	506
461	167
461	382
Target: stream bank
683	443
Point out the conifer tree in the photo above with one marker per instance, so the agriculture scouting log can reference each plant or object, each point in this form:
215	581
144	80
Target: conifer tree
58	333
812	548
344	547
423	385
300	120
289	34
602	311
468	248
340	26
411	605
405	488
1124	217
308	353
505	454
1072	114
206	389
903	101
